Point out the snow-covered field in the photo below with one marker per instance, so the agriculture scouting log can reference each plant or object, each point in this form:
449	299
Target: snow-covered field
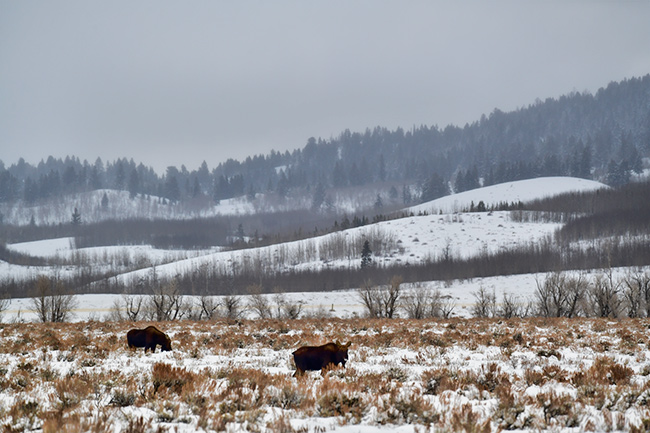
552	375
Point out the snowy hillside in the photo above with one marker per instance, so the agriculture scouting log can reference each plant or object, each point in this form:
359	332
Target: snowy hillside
407	240
522	190
118	206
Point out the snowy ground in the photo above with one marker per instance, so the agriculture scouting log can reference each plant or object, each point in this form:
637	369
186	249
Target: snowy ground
537	375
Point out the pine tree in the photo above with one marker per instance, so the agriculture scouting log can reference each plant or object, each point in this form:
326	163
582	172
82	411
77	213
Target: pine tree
318	198
407	197
76	217
196	188
379	204
119	175
435	187
345	224
392	193
134	183
366	255
172	190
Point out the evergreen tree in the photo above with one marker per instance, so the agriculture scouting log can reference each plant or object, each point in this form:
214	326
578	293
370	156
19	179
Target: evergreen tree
366	255
105	201
435	187
196	188
134	183
30	191
345	224
617	173
76	217
172	190
318	197
8	186
69	179
392	193
379	204
339	178
95	178
250	194
120	176
354	176
459	182
407	197
283	185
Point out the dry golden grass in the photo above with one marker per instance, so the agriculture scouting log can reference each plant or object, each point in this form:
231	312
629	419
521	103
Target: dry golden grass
450	375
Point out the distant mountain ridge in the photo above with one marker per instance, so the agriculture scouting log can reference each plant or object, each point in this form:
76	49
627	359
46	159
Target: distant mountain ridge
603	137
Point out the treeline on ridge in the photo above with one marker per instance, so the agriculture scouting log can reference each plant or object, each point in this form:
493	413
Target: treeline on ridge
601	136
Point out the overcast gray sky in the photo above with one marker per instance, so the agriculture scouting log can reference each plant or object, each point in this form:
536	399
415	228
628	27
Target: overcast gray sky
172	83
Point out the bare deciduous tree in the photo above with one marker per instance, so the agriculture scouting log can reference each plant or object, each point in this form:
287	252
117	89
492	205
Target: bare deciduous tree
285	309
381	301
416	302
560	296
485	305
232	306
636	292
605	295
258	303
208	307
511	306
4	304
422	302
133	306
391	296
52	302
370	297
167	302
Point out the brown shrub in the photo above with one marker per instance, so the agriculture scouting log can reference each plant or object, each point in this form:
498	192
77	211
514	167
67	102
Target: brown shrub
172	378
559	408
604	371
70	391
437	380
464	419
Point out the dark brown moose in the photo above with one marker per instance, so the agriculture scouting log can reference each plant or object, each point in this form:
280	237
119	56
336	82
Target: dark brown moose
320	357
148	338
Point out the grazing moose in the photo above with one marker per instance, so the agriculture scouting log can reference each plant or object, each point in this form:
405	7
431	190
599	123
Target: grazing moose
148	338
320	357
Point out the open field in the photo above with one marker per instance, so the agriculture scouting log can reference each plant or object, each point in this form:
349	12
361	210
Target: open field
404	375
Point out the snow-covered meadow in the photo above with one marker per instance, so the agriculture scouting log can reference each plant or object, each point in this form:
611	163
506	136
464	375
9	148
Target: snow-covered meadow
402	375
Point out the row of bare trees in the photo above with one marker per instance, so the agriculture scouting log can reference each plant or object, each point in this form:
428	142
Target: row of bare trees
563	294
418	302
165	301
